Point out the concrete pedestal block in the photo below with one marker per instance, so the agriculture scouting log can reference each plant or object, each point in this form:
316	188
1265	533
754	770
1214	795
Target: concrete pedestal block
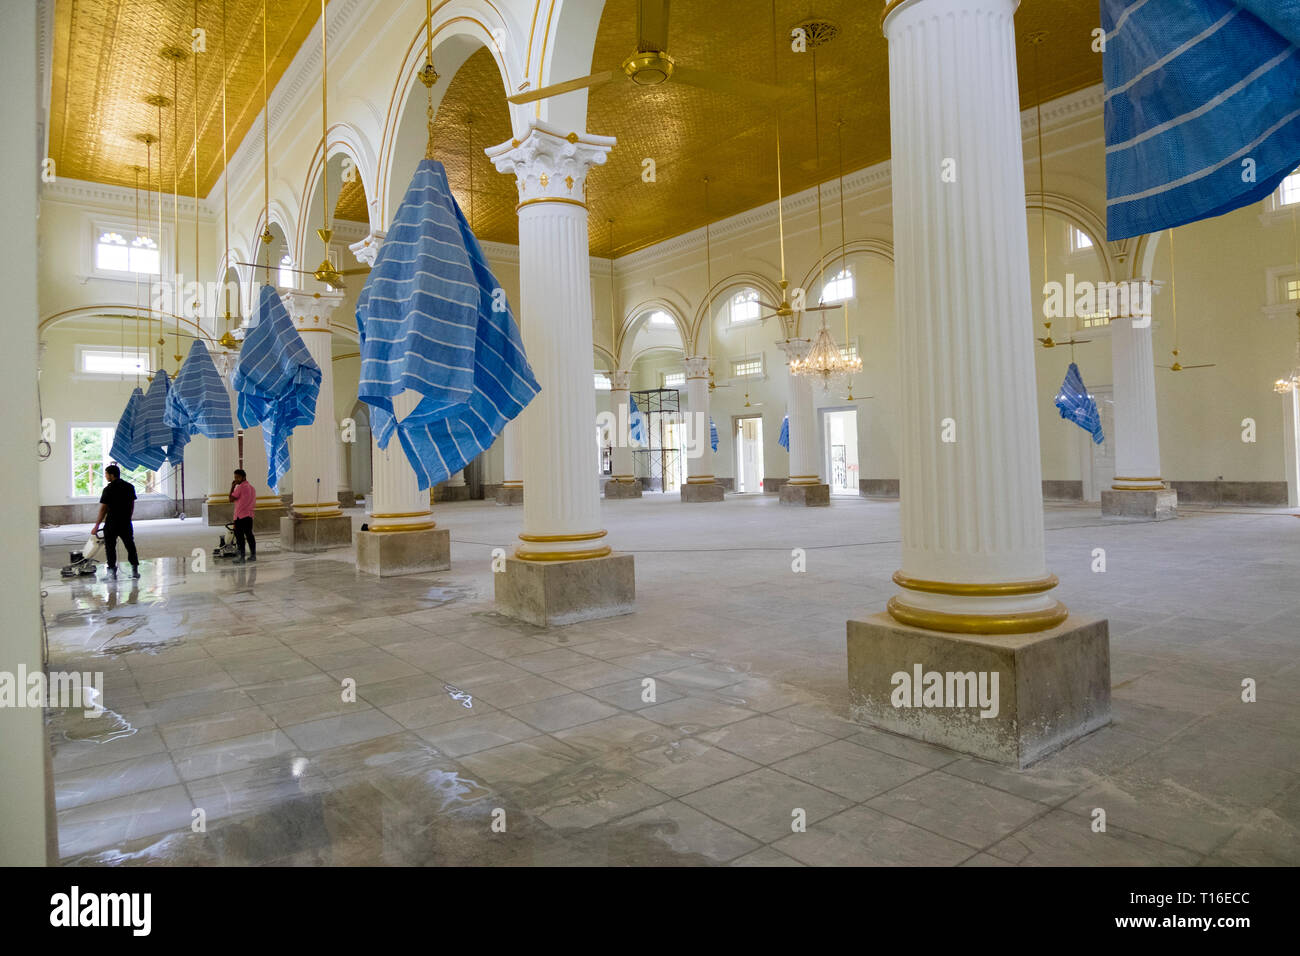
451	493
268	519
389	553
222	513
298	533
1143	505
347	499
622	489
1012	698
702	492
510	495
808	496
555	593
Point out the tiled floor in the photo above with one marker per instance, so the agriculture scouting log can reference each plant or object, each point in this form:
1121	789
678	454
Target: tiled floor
223	690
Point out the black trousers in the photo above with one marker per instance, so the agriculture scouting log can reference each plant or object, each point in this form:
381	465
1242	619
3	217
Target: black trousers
244	532
127	534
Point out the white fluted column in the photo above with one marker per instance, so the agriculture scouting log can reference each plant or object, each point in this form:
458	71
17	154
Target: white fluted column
621	461
397	503
1137	435
804	467
699	471
457	480
223	453
341	453
512	456
312	454
562	504
971	489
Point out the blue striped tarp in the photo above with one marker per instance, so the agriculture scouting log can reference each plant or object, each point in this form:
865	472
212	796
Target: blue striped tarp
276	381
433	319
784	438
1202	107
1078	406
123	435
197	402
713	434
153	441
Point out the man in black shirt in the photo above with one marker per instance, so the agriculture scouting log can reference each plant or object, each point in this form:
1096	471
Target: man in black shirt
116	505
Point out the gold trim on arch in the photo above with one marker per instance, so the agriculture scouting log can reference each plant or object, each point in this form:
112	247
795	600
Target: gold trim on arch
546	538
600	552
961	589
1024	622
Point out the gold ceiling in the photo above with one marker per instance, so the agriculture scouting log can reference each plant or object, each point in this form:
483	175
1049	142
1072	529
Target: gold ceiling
106	62
691	133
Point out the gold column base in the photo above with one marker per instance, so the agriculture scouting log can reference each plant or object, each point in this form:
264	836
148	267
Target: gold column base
398	528
577	555
1019	623
702	480
313	515
803	480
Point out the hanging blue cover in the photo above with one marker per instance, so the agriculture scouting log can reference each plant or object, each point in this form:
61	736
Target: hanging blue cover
1078	406
713	434
432	319
153	441
276	381
784	438
636	422
1194	89
197	403
122	435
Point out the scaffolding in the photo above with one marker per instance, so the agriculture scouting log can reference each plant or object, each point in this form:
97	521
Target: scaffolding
658	464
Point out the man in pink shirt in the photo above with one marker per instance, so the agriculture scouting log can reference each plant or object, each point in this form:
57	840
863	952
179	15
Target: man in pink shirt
244	497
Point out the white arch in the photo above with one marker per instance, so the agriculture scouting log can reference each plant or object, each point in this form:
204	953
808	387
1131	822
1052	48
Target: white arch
642	309
737	280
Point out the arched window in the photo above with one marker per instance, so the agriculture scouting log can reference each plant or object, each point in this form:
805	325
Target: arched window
1079	240
286	272
838	288
660	320
743	307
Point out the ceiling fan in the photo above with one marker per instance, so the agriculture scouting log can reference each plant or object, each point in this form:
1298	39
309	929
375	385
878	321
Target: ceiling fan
325	272
651	65
1051	343
1173	296
1178	367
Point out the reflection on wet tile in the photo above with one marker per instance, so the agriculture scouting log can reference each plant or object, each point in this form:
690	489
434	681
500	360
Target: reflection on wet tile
106	781
476	733
109	822
344	729
225	756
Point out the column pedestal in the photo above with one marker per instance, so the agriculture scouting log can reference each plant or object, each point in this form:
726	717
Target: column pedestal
975	599
1147	505
1052	686
702	491
624	488
808	496
555	593
412	552
454	488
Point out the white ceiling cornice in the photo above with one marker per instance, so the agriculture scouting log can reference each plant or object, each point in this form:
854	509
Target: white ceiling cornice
81	192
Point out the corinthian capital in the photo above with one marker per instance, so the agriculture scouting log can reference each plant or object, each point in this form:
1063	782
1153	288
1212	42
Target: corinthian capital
549	164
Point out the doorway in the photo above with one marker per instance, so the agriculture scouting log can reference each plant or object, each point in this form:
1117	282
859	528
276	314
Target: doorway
749	455
840	427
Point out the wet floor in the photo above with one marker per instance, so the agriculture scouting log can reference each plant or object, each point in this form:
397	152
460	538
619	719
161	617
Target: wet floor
297	712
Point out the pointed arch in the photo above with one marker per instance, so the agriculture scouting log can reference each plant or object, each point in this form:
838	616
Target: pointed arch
737	280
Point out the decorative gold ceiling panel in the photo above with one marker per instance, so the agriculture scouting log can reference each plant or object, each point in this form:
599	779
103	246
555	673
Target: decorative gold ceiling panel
352	202
106	61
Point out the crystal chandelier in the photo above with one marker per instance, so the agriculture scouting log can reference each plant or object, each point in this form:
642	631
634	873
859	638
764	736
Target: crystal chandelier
825	361
1291	380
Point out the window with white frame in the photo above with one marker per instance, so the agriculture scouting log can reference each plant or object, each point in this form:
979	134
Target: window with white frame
838	288
674	379
286	272
660	320
1289	192
110	360
848	352
1093	320
603	383
749	367
743	307
1079	240
91	451
1293	288
115	253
